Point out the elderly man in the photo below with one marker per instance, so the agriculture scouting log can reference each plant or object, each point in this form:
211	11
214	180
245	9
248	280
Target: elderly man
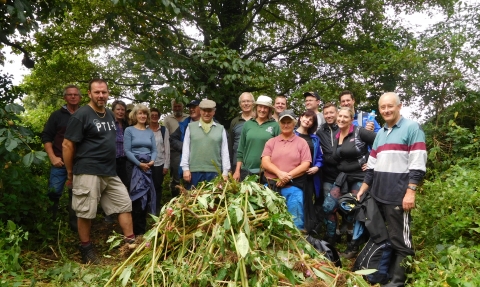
347	100
171	122
396	165
279	105
89	151
52	138
312	103
246	101
205	148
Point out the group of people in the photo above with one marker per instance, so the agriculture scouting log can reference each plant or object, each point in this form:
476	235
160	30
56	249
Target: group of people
311	159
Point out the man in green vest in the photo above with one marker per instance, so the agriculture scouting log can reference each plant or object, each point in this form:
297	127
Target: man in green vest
205	148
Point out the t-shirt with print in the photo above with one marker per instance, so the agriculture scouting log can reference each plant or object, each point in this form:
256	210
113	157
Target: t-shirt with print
252	142
94	136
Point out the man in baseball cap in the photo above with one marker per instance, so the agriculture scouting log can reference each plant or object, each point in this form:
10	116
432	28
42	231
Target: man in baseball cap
176	141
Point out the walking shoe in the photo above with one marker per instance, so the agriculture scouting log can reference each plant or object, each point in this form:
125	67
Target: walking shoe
88	255
351	251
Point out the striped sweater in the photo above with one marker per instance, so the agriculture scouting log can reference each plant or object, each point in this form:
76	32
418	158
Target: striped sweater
398	157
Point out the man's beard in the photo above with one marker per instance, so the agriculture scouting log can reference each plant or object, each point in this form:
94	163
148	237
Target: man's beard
177	113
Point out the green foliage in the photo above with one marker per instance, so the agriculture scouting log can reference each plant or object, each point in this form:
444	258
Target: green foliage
448	207
454	264
11	236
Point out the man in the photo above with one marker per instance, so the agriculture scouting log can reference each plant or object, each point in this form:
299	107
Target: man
171	123
205	148
327	133
236	125
347	100
89	155
162	161
396	166
312	103
52	138
279	105
176	138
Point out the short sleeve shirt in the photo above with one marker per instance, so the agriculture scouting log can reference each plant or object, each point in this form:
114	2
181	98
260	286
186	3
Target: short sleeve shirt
286	154
94	137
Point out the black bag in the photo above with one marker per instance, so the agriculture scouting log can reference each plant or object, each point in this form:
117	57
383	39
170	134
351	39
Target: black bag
375	256
326	248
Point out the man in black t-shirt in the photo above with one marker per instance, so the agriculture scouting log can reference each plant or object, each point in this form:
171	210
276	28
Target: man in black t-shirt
89	154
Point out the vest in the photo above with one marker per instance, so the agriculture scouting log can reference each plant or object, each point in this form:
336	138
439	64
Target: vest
205	149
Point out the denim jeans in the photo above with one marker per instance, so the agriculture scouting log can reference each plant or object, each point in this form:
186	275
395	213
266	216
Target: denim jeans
58	177
198	176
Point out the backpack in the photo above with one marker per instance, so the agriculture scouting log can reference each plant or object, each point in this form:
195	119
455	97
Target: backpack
326	248
375	256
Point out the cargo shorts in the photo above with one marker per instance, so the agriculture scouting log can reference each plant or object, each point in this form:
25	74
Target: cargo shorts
90	190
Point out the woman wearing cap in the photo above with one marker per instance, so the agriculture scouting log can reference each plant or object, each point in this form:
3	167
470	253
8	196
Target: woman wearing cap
306	130
350	150
255	133
286	159
141	152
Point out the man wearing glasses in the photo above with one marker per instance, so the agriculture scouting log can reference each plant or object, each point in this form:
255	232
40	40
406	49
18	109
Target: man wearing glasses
52	138
236	125
312	103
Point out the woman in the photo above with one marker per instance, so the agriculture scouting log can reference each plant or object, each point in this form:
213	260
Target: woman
350	150
141	152
162	161
255	133
119	108
306	130
286	159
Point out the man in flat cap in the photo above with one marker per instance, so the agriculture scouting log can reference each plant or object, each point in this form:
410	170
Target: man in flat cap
312	103
205	148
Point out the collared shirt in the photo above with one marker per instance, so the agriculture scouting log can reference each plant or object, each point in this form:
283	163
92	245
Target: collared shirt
224	150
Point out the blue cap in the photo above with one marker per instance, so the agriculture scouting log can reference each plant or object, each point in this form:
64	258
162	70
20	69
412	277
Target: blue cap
193	103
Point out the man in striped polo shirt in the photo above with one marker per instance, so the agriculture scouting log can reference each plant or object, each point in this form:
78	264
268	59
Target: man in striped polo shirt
396	165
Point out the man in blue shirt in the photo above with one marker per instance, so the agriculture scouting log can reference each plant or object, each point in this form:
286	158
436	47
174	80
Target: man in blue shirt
347	100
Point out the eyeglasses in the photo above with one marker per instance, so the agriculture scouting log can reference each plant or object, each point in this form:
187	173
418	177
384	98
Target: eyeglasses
72	95
246	102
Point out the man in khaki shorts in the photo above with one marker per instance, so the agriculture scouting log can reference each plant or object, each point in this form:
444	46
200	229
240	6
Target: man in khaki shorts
89	155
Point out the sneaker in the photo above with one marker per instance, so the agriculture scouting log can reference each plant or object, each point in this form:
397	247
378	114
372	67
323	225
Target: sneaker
351	251
88	255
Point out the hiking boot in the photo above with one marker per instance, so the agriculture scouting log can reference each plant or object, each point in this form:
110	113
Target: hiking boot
351	251
88	255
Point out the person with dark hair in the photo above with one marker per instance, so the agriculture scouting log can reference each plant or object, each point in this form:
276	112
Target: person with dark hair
119	108
141	152
279	105
347	100
306	130
350	150
162	161
89	154
52	138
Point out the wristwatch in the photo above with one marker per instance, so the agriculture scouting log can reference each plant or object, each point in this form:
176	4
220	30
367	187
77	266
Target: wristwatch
412	187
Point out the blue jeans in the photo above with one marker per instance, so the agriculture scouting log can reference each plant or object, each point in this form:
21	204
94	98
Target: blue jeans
58	177
198	176
294	197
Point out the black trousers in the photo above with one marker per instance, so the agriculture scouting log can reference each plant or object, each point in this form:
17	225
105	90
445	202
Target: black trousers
157	175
